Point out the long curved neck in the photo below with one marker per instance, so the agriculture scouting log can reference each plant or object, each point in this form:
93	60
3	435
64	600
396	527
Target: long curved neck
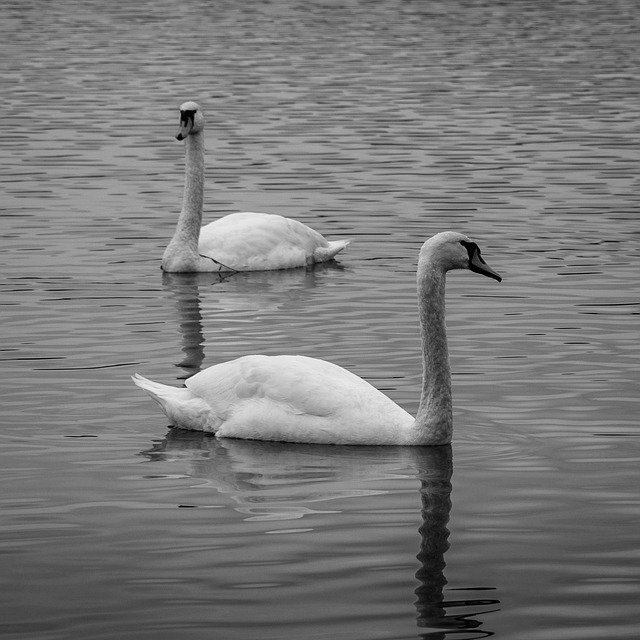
188	230
434	420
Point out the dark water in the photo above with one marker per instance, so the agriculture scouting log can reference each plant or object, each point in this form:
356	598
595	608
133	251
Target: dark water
387	121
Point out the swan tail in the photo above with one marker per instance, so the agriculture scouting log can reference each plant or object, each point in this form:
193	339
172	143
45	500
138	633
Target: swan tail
183	409
322	254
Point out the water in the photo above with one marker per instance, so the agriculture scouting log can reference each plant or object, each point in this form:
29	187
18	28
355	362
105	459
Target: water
386	122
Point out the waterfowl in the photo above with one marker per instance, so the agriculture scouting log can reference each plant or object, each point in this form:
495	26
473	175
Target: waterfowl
295	398
239	241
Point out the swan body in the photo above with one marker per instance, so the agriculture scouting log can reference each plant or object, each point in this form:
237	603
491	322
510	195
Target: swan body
262	242
289	398
299	399
239	241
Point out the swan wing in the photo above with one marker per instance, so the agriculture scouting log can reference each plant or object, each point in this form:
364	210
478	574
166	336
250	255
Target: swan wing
261	241
297	399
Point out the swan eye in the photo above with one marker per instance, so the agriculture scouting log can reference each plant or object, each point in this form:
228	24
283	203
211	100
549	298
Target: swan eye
471	248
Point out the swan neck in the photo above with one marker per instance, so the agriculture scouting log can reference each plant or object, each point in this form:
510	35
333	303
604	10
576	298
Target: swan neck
434	420
190	220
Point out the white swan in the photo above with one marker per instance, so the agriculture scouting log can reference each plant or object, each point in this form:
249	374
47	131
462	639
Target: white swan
239	241
300	399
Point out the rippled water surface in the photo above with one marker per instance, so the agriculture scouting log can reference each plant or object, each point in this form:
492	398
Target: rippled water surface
386	121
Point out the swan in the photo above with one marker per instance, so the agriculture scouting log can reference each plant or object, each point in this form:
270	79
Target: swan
295	398
239	241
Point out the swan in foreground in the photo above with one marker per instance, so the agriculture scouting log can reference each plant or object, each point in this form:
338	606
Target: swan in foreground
239	241
301	399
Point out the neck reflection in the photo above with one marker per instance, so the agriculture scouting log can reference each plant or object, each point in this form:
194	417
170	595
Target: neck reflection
229	296
183	289
439	617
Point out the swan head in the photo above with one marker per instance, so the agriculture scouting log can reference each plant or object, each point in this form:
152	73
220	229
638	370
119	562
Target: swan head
191	120
451	250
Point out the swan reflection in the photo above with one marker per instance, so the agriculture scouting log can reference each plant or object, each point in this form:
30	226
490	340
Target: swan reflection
434	467
185	292
272	481
216	296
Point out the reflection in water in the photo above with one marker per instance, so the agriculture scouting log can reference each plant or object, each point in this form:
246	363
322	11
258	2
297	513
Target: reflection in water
257	291
183	288
434	471
270	481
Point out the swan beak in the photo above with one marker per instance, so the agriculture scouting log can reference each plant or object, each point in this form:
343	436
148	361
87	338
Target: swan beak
185	128
186	124
478	265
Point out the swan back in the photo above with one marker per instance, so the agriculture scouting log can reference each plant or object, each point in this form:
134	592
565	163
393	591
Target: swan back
297	399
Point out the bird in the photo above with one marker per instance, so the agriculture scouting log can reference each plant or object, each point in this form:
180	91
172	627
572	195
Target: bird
295	398
243	241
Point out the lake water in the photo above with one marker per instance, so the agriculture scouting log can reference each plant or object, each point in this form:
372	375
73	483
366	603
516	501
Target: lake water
384	121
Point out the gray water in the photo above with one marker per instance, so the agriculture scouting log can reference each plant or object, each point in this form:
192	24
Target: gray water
385	121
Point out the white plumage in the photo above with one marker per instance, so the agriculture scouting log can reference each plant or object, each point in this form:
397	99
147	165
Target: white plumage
239	241
264	241
300	399
286	398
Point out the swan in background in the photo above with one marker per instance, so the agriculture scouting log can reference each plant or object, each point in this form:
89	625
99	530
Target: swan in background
301	399
238	241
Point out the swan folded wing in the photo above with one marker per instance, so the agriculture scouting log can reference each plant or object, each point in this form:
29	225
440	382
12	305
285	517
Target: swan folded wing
296	399
261	241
